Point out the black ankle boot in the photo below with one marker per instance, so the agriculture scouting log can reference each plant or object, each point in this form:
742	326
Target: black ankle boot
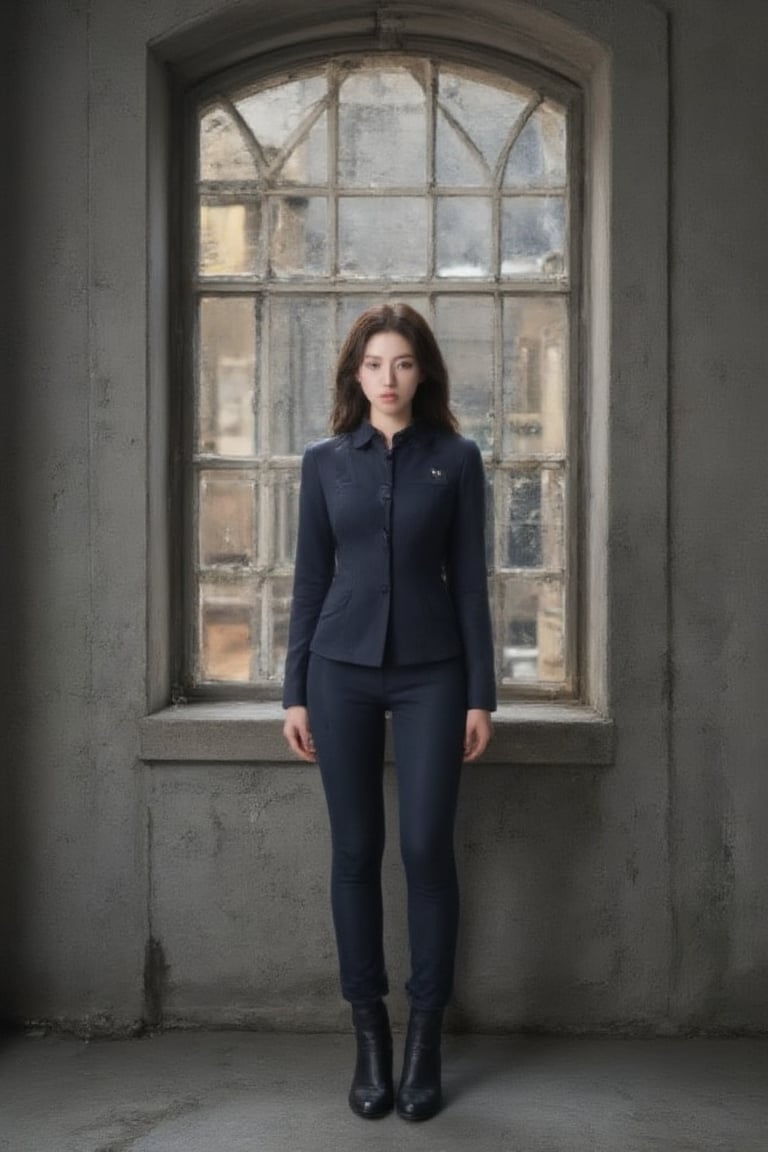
419	1095
372	1092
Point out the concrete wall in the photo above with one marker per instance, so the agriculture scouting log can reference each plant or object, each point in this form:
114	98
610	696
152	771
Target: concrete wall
627	897
719	501
7	261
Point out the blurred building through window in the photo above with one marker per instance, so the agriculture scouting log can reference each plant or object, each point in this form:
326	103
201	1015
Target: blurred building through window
324	192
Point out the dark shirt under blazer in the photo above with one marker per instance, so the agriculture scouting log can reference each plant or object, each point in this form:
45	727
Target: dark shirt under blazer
390	560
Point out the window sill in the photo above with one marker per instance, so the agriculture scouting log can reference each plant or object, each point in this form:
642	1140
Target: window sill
252	732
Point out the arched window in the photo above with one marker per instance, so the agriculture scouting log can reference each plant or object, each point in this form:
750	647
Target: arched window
319	192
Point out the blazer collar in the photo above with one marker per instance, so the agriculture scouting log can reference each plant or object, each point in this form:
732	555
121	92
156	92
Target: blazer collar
363	434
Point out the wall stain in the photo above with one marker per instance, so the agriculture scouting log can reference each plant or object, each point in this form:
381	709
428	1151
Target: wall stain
156	970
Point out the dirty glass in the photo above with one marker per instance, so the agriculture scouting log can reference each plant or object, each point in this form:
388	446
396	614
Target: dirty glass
226	629
482	113
226	410
382	130
275	114
275	644
464	326
458	162
301	355
320	193
308	162
231	242
299	236
383	238
530	635
226	150
227	518
284	512
464	244
538	157
533	236
535	347
529	507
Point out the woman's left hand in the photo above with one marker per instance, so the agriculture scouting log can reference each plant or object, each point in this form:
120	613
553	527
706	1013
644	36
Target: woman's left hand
478	733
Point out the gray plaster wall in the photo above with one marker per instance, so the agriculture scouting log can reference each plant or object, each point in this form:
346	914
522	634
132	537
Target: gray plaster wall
630	897
719	507
7	341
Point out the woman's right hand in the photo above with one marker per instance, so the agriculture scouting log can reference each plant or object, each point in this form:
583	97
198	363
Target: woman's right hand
297	733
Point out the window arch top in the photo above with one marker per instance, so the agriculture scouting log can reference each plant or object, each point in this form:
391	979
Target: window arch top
435	169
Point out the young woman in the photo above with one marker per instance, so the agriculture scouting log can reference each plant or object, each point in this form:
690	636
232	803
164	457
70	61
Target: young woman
390	614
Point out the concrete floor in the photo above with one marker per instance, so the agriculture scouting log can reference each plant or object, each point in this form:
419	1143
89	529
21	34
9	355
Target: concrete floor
257	1092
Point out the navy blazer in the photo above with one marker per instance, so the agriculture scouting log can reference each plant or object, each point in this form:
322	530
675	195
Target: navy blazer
390	560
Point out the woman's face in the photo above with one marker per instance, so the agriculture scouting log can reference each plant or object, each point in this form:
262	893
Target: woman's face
389	376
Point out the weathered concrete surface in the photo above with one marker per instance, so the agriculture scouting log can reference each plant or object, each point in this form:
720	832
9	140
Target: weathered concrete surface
8	573
78	671
538	941
719	490
199	1091
629	897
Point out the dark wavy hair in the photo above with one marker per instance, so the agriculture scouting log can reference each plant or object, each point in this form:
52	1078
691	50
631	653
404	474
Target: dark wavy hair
430	403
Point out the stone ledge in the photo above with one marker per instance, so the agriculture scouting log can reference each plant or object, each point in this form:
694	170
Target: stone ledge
252	732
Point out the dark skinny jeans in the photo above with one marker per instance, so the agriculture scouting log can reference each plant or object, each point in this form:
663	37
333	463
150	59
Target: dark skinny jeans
347	705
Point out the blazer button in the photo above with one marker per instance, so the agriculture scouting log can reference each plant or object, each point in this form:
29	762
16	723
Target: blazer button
385	587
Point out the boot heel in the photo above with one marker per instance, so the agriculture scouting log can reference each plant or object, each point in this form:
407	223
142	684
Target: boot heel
419	1094
372	1092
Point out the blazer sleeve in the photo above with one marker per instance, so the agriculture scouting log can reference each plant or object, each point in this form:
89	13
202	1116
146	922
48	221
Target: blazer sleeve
315	560
468	581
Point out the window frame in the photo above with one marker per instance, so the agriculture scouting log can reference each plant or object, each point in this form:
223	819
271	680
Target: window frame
620	57
545	82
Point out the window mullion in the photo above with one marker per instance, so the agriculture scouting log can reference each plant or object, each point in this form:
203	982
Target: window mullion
261	598
334	81
431	129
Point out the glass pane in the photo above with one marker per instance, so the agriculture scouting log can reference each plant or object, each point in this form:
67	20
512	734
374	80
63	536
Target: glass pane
299	236
227	372
226	630
380	238
227	518
533	236
464	330
277	599
531	639
538	159
529	506
230	239
520	520
308	162
224	150
464	236
382	130
456	163
485	112
273	114
284	508
301	365
535	351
